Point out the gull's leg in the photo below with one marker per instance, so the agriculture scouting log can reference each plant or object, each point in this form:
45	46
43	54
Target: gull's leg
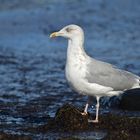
86	107
85	110
97	111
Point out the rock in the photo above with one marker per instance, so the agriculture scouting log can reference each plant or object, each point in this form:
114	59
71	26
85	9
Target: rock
131	100
118	127
67	118
5	136
121	135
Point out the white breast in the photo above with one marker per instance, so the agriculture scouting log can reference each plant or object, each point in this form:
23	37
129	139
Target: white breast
75	71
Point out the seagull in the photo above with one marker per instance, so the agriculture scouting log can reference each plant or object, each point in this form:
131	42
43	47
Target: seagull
89	76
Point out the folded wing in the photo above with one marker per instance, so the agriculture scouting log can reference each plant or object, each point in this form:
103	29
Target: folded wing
107	75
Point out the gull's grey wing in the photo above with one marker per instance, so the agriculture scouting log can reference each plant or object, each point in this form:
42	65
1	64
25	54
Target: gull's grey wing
107	75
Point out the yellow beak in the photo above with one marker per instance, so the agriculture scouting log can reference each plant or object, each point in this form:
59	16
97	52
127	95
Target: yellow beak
54	34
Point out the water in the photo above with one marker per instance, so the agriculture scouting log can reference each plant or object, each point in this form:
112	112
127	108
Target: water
33	85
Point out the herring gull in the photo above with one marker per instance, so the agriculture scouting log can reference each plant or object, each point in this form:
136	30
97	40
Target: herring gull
89	76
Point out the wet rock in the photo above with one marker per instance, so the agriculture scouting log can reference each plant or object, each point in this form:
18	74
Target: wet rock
131	100
67	118
112	122
70	118
121	135
118	127
5	136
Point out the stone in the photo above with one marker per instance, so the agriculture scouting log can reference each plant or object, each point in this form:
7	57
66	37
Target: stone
5	136
131	100
69	117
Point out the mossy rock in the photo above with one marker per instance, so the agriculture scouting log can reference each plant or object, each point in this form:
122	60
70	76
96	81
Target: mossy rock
69	117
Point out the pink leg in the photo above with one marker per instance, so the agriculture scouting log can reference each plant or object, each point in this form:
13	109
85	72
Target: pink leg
85	110
97	111
87	104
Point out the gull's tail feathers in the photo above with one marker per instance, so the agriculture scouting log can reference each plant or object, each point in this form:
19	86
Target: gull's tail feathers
114	93
137	84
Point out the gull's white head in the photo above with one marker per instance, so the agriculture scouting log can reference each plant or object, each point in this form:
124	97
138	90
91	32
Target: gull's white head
71	32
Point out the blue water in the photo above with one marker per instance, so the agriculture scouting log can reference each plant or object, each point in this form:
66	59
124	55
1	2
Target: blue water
33	84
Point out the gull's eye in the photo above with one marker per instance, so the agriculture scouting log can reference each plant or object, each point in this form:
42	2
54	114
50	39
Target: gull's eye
69	29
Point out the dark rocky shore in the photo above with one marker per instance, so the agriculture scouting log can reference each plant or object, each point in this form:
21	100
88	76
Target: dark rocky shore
5	136
68	123
68	119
